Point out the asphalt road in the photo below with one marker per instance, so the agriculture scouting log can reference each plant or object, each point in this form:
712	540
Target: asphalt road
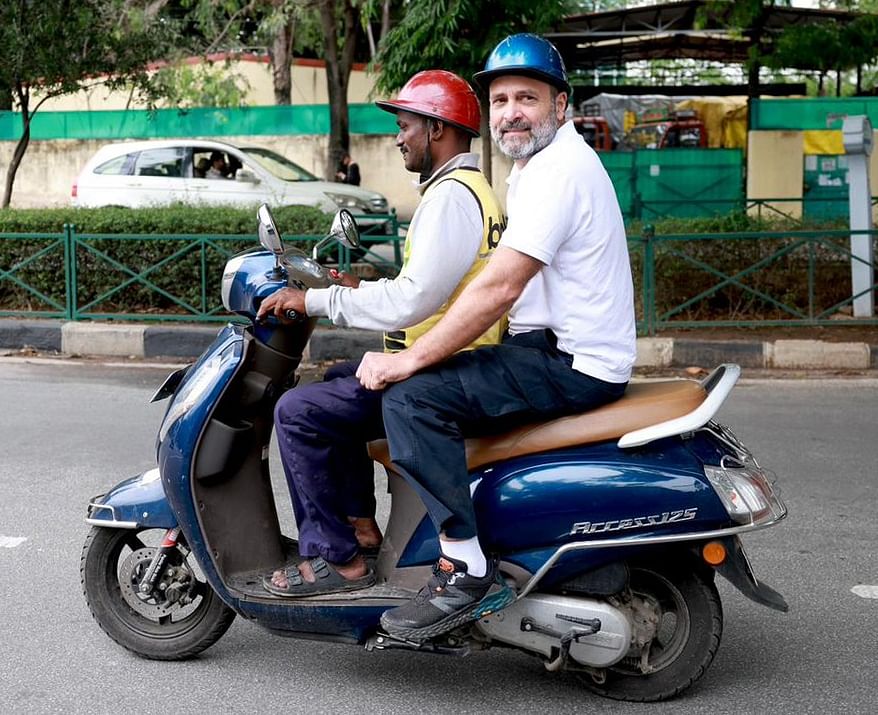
68	431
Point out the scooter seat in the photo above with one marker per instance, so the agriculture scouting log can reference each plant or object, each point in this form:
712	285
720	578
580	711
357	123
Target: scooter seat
643	404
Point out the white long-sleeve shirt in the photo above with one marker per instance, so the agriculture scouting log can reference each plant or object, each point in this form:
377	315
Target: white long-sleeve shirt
445	235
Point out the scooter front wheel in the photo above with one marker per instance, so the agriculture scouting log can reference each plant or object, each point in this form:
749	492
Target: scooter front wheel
678	618
178	619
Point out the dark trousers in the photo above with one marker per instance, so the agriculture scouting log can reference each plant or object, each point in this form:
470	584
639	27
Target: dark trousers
322	430
491	389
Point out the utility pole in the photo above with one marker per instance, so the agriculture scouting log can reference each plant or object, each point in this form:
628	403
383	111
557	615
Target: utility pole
858	137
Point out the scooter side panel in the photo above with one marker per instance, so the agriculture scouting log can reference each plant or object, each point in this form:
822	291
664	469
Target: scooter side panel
215	368
594	492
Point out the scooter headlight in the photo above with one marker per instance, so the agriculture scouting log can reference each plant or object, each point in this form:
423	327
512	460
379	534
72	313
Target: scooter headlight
229	272
203	378
746	493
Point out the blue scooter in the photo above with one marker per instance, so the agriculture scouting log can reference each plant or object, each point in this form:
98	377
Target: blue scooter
610	525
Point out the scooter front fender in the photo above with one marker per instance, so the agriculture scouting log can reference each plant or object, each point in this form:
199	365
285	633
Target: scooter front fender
136	503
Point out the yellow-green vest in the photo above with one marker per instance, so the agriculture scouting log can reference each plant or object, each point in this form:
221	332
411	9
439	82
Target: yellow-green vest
494	221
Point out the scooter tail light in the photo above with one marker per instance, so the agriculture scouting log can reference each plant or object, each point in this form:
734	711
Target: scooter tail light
745	493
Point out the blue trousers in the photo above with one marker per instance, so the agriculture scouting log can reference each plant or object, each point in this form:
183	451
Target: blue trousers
491	389
322	430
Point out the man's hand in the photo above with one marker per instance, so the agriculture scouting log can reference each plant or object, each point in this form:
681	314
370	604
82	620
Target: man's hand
282	301
378	370
345	279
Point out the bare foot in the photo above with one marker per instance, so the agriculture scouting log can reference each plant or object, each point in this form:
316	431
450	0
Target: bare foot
367	532
353	569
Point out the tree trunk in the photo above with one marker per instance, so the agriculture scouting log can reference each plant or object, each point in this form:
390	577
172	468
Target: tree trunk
281	55
838	83
339	61
487	149
21	147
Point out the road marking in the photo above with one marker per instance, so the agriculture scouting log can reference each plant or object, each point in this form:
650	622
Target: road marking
865	591
10	542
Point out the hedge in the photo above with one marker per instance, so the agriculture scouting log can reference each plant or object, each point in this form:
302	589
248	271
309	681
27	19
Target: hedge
177	219
96	275
676	278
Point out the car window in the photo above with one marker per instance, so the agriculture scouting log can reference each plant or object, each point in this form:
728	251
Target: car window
278	165
117	167
214	164
160	162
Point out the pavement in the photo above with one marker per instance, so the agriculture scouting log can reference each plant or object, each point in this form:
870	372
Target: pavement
187	341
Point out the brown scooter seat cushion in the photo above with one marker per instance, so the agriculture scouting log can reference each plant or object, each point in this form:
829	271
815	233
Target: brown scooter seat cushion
642	405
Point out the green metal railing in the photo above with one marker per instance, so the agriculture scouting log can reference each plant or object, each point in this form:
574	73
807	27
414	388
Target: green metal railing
747	279
682	281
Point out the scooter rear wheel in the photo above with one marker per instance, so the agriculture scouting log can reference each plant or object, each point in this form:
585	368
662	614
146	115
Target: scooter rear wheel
687	636
170	624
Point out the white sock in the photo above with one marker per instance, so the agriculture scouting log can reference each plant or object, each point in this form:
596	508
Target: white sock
469	551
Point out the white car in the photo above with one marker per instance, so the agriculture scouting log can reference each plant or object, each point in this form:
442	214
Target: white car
160	172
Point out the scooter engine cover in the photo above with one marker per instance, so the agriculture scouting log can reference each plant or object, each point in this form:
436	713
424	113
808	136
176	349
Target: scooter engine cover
607	646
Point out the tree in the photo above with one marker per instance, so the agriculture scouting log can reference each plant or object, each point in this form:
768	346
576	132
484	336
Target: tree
56	47
455	35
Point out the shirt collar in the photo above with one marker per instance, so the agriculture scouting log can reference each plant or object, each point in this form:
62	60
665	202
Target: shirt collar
465	160
563	133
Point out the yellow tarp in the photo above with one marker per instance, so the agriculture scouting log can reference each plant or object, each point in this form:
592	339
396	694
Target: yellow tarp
823	141
725	119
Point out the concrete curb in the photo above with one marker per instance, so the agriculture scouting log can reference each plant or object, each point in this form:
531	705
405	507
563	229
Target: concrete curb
189	341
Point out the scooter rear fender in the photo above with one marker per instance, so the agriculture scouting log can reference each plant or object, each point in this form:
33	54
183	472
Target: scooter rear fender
136	503
737	570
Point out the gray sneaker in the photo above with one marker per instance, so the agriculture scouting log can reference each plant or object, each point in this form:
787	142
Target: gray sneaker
451	598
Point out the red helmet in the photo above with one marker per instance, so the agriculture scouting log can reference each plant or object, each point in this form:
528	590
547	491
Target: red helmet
440	95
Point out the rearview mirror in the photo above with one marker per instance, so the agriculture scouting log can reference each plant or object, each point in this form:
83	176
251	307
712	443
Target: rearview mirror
246	176
344	230
269	236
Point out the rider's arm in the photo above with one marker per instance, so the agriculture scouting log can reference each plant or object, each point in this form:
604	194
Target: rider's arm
447	234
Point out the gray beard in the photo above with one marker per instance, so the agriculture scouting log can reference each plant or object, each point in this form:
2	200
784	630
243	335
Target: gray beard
541	136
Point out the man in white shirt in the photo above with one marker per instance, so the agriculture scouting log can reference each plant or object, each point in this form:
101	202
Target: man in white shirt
322	428
562	272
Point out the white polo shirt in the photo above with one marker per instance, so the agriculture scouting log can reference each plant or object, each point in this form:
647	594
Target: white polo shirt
563	211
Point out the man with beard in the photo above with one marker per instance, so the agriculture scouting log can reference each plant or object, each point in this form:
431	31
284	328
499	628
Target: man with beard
562	271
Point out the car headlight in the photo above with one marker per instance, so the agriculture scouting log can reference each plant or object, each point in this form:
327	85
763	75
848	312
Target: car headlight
746	493
346	201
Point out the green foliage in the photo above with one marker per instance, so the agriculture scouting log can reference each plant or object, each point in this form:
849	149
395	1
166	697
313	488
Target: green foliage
827	46
176	267
206	85
456	35
59	47
179	219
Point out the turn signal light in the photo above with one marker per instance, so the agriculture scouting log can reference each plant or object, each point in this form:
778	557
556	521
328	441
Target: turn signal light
714	553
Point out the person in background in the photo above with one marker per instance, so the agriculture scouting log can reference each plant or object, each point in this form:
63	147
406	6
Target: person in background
218	167
348	171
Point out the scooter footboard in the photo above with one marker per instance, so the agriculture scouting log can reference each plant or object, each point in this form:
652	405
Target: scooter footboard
133	504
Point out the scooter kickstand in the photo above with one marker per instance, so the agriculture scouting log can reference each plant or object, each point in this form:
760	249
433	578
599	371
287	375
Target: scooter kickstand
590	626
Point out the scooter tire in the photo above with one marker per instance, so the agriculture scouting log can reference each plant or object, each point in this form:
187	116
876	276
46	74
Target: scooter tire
680	653
197	627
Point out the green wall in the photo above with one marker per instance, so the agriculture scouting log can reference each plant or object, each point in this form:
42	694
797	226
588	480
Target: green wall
143	124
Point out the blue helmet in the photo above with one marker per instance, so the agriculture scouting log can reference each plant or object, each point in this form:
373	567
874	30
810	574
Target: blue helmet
529	55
